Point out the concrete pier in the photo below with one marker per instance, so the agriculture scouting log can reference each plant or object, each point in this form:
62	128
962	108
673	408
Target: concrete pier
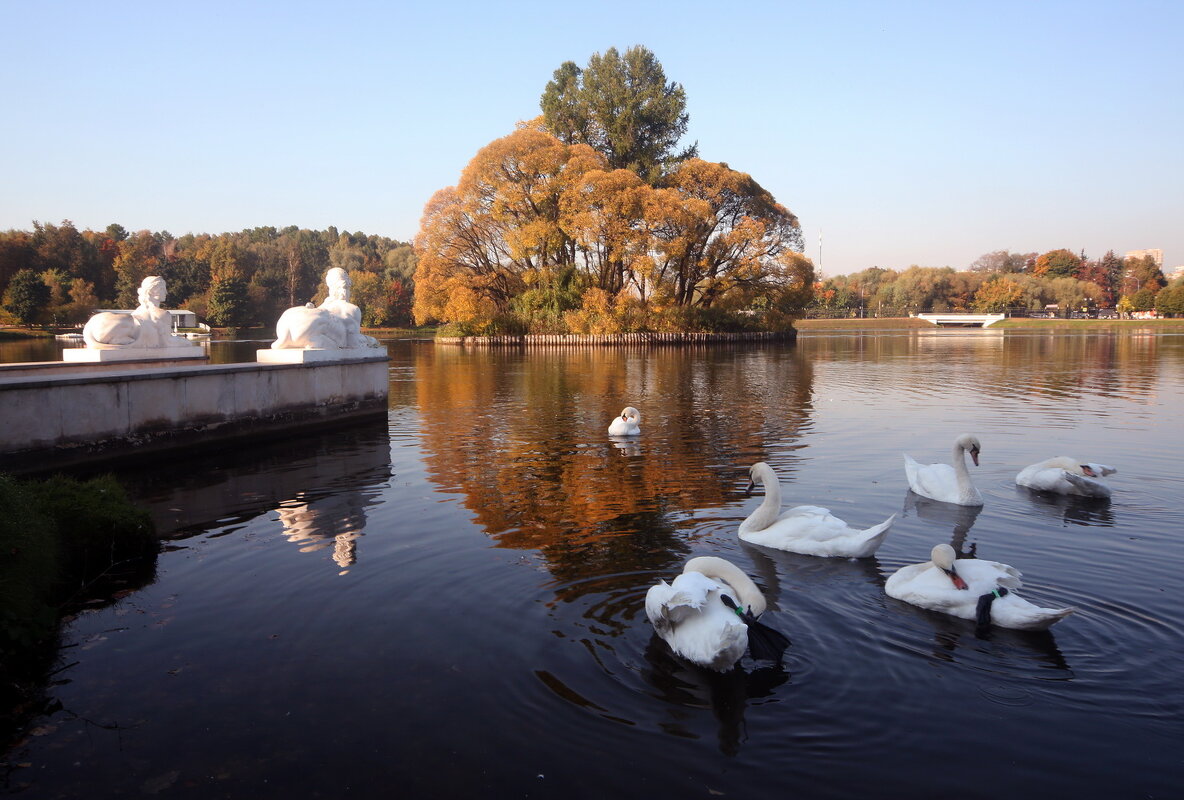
57	416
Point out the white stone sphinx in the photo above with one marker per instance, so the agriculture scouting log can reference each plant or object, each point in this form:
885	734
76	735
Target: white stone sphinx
144	334
332	330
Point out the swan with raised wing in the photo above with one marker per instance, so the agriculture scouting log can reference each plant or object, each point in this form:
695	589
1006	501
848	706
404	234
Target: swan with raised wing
809	530
708	615
971	588
1065	475
627	424
949	483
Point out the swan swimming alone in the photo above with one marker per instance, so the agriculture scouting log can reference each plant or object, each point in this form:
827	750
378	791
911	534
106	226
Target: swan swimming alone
949	484
708	615
809	530
970	588
1065	475
628	424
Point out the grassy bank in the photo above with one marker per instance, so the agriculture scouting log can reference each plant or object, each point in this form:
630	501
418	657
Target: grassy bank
1093	325
63	542
1017	324
857	324
23	333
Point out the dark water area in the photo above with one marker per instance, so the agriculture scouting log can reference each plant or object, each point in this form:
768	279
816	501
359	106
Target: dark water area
449	603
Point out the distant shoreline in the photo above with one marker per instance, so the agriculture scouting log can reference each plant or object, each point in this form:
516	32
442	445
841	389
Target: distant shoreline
1013	324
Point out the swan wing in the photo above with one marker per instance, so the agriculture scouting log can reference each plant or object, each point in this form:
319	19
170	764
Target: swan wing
694	622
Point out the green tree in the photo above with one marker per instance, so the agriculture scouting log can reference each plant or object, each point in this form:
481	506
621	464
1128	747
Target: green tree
1003	261
624	108
228	304
26	296
1170	300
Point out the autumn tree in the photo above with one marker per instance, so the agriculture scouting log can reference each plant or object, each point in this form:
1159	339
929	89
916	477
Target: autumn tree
1003	261
139	256
1057	264
997	294
623	107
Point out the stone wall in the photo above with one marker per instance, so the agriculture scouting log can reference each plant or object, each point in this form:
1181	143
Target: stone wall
67	417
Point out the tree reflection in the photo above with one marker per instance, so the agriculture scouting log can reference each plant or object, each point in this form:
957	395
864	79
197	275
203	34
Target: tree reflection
522	436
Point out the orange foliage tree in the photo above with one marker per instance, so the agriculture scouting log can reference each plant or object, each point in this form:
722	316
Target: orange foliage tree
529	206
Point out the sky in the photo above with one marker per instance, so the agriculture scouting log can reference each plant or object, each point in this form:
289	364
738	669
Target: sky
899	133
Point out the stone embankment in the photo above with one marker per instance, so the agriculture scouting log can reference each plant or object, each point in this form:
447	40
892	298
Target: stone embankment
617	339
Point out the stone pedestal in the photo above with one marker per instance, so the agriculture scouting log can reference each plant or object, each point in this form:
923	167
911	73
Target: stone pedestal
315	355
88	355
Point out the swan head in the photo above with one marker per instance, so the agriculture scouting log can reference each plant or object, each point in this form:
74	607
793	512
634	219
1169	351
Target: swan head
969	443
759	472
943	558
630	413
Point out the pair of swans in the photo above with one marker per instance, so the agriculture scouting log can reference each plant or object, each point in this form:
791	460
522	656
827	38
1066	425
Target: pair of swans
950	483
708	614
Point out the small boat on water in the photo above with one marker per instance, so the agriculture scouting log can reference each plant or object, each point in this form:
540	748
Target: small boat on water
68	336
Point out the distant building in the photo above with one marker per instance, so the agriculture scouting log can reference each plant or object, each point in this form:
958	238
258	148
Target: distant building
1176	272
1155	254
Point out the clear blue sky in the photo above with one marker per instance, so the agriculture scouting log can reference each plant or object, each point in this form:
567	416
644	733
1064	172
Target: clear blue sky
905	132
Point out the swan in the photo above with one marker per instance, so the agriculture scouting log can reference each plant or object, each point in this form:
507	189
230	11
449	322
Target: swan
949	484
970	588
1065	475
708	615
628	424
809	530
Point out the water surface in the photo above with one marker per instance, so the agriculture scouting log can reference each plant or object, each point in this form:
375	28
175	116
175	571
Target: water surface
449	603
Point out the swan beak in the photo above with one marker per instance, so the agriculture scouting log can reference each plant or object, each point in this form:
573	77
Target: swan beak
956	578
751	486
974	455
1089	473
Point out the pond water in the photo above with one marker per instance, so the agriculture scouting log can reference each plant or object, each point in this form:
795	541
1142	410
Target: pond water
449	603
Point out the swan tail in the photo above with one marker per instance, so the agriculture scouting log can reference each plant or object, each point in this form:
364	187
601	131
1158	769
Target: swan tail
764	643
1087	486
873	537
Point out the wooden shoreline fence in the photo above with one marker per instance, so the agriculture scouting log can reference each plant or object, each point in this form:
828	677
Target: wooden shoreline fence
617	339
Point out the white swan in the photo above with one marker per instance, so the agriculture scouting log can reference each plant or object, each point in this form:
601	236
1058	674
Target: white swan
949	484
809	530
628	424
1065	475
970	588
706	615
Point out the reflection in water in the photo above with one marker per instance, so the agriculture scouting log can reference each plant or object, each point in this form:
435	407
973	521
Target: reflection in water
524	443
336	520
1072	509
959	518
1005	649
681	685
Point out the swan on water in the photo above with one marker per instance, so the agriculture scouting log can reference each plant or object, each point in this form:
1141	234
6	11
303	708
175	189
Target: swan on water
949	484
708	615
970	588
1065	475
809	530
628	424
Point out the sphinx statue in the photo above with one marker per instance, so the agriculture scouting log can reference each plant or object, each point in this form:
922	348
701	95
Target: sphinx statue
149	327
335	324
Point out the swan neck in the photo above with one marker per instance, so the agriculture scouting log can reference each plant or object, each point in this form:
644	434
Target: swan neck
960	470
726	572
